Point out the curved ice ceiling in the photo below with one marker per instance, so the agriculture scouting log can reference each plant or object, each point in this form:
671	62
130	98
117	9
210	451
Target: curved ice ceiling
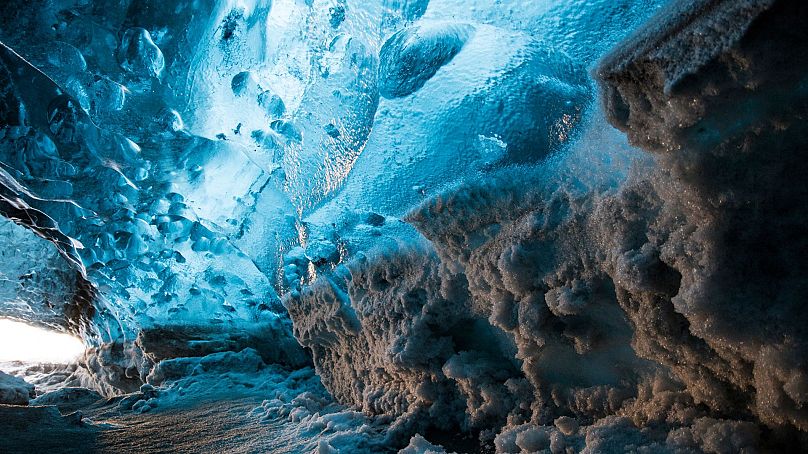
427	197
175	152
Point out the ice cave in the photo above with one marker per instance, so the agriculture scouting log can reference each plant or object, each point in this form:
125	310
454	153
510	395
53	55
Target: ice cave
404	226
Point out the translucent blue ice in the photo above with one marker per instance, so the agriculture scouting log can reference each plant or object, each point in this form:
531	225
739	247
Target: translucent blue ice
193	161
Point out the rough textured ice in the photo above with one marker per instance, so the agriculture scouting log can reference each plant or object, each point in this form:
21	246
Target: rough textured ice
36	283
410	57
633	319
139	55
15	390
412	224
161	149
68	399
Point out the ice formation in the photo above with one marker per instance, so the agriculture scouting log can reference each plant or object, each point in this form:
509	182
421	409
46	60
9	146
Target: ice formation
412	224
15	390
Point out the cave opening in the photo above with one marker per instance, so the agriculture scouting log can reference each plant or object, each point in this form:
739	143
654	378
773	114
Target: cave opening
21	342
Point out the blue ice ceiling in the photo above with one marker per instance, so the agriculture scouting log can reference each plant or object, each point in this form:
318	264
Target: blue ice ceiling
194	161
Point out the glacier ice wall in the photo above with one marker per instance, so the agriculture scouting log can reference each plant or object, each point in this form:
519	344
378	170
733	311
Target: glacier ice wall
553	310
192	161
36	283
427	200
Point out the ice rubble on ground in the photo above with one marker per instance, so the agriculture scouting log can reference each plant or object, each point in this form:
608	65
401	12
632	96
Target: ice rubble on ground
429	189
295	405
15	390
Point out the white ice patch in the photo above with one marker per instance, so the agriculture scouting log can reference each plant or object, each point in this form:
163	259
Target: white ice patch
22	342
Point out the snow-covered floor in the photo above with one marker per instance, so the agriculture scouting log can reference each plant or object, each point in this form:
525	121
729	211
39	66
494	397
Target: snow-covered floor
225	402
223	426
210	424
207	426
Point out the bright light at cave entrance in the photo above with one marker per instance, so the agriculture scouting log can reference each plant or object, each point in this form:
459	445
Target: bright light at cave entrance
21	342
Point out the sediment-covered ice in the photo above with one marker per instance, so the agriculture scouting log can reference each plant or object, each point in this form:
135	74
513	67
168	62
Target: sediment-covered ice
636	318
426	201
